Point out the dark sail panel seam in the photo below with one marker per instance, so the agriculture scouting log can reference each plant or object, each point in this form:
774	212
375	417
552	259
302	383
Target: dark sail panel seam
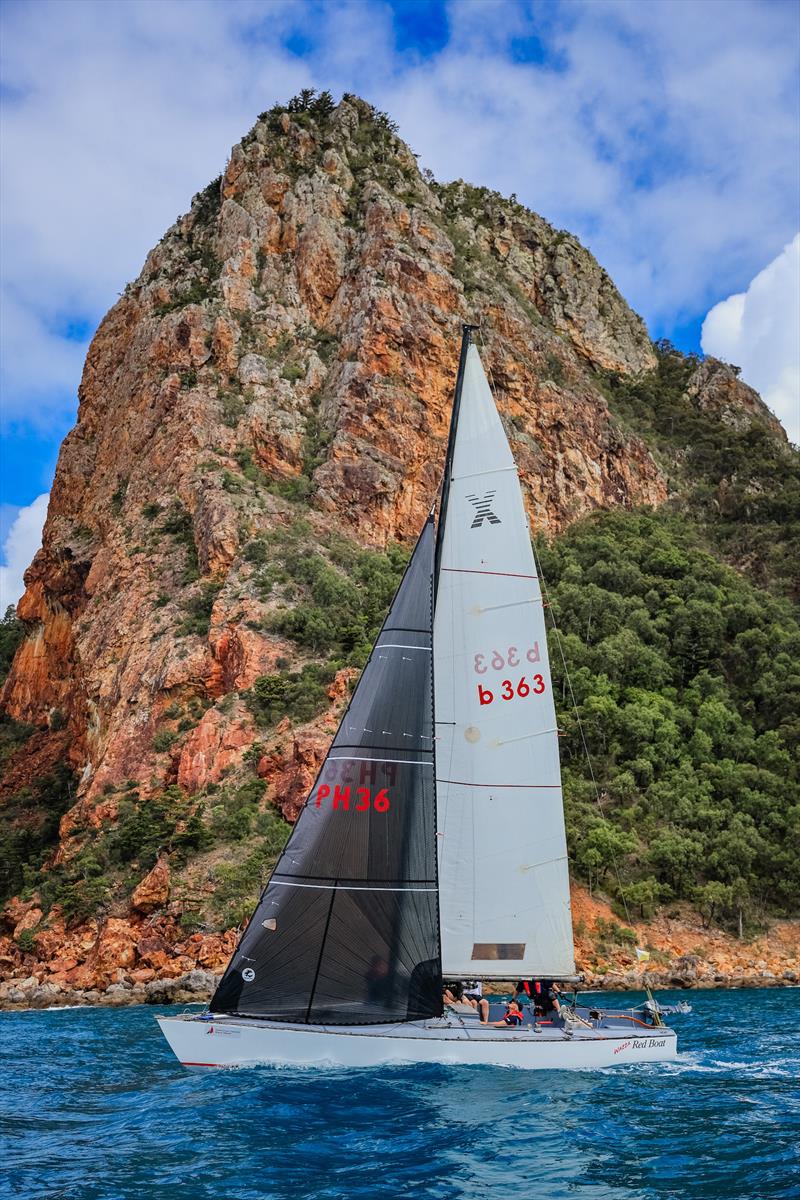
349	887
404	629
321	954
350	882
393	749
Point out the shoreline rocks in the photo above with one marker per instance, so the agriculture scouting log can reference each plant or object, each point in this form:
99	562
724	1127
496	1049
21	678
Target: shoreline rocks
194	987
197	987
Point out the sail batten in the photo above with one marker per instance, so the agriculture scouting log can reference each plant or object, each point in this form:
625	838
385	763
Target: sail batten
503	876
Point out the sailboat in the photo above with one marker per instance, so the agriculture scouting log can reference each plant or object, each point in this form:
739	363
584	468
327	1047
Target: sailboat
432	844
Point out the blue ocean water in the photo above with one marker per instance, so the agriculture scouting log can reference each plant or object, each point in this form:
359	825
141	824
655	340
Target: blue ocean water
94	1107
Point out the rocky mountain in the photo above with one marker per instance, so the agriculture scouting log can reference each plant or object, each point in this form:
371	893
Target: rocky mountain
260	435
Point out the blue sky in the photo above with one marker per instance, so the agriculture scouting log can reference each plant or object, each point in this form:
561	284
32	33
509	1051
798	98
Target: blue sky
664	134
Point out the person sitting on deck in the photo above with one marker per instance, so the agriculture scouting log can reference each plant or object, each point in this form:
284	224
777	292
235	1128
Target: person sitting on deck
457	994
512	1019
473	996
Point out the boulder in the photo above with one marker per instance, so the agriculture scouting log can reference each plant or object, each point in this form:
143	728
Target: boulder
29	921
153	891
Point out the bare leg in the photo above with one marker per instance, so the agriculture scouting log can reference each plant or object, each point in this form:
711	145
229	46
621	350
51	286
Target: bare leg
483	1009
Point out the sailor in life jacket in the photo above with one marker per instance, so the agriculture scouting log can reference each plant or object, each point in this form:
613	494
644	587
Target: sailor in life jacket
512	1019
543	995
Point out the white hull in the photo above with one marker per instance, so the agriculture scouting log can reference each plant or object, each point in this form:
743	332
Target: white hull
237	1042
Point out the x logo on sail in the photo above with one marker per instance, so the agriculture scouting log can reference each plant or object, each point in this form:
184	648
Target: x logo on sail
483	505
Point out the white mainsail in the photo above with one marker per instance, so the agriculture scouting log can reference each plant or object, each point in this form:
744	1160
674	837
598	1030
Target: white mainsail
503	878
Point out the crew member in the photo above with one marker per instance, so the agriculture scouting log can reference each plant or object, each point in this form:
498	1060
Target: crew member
512	1019
473	995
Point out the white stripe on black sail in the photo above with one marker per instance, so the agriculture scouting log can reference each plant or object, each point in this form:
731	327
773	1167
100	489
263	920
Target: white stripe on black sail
347	930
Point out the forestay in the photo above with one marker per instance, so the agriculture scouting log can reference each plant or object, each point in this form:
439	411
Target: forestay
347	931
504	887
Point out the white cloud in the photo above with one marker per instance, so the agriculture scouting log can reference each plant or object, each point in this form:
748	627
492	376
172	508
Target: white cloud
759	330
22	541
663	134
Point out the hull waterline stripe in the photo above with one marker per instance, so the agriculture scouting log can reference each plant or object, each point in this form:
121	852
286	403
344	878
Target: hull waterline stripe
475	571
343	887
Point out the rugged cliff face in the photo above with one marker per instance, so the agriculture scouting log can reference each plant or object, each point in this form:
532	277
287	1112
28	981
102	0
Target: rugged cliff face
305	318
281	369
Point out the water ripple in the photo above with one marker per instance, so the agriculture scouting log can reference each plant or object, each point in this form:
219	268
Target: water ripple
94	1107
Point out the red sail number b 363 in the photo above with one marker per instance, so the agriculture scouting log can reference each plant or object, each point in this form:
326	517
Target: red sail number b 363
508	691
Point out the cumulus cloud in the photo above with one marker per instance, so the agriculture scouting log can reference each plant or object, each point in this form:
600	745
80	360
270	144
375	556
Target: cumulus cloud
664	135
22	541
759	330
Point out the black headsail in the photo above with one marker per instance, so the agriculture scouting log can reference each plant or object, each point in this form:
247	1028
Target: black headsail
347	929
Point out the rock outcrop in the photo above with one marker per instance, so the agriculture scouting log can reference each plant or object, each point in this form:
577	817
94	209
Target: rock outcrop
287	353
302	319
153	891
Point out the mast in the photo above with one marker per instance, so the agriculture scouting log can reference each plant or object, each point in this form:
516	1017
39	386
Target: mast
466	341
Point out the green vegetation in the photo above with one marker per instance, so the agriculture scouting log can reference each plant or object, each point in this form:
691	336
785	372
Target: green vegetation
26	941
742	485
340	593
178	523
340	596
12	735
305	107
206	204
198	610
292	371
316	440
117	856
29	827
233	403
238	885
237	816
164	740
12	634
688	688
299	695
118	499
197	291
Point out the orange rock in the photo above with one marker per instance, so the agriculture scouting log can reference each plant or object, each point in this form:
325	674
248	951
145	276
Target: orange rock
342	683
114	947
142	975
292	777
215	950
31	919
16	910
212	747
153	891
